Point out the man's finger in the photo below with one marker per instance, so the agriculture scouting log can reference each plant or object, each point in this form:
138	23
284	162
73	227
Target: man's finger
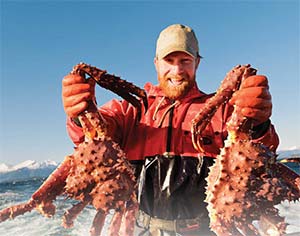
74	89
72	79
73	100
257	114
255	81
254	103
251	93
74	111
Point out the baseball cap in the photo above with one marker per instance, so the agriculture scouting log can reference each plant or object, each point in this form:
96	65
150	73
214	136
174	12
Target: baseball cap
177	37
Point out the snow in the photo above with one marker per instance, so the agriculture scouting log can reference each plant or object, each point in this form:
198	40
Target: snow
292	152
26	170
30	164
4	167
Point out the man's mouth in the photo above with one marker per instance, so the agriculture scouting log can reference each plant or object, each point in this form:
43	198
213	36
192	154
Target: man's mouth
175	82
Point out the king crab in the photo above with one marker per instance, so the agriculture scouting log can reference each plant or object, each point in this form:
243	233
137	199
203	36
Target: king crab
245	182
97	173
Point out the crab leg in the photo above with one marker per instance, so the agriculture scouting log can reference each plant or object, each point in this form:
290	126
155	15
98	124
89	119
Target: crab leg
72	213
118	85
93	123
128	223
291	177
54	184
135	103
226	229
271	223
228	86
98	223
247	229
12	212
115	223
123	220
43	197
114	83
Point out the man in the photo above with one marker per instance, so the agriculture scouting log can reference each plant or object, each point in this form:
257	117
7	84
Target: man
173	173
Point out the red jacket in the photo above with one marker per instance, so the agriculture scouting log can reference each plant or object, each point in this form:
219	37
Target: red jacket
149	137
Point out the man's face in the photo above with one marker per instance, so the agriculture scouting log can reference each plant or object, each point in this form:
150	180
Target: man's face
176	73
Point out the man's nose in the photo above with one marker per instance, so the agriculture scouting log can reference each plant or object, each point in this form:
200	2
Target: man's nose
177	68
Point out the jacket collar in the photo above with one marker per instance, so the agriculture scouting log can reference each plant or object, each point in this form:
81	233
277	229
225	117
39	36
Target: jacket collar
154	92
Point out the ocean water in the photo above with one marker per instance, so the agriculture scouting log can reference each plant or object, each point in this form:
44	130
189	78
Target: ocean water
34	224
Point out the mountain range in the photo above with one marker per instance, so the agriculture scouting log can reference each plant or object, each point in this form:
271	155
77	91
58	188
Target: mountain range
32	169
26	170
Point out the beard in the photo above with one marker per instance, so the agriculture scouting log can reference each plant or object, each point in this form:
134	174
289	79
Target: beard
173	91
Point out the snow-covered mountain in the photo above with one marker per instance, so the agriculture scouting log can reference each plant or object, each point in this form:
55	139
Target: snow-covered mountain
31	169
292	152
26	170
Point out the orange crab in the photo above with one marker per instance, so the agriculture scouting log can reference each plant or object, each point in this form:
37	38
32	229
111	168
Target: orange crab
97	173
245	182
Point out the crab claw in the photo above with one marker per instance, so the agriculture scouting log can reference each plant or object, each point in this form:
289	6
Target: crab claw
124	89
228	86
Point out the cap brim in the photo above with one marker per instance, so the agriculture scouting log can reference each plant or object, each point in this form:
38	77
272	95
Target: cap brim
169	50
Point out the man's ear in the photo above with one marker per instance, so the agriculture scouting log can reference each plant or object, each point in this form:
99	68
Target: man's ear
155	62
198	59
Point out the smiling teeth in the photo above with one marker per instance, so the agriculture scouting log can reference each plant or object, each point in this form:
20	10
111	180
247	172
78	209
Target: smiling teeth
176	82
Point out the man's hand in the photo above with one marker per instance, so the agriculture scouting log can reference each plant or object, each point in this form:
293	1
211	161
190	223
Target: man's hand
76	93
254	98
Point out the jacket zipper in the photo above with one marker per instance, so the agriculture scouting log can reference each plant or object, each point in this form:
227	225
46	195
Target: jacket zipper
169	132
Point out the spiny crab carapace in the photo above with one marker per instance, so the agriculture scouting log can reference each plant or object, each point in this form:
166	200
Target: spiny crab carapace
97	173
245	182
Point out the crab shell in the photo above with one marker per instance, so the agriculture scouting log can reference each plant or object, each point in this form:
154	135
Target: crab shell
244	184
100	173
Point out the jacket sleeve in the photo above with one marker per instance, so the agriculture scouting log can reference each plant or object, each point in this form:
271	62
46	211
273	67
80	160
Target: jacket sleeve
75	132
269	137
264	133
120	116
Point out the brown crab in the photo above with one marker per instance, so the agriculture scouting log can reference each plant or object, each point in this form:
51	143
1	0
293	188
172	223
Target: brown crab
245	182
97	173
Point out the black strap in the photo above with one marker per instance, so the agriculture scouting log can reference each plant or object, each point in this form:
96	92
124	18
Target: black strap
259	130
76	121
169	134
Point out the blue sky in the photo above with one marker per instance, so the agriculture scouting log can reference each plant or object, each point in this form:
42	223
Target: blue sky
42	40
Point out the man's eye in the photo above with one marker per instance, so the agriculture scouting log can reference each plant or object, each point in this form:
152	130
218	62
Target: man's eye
186	61
169	60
